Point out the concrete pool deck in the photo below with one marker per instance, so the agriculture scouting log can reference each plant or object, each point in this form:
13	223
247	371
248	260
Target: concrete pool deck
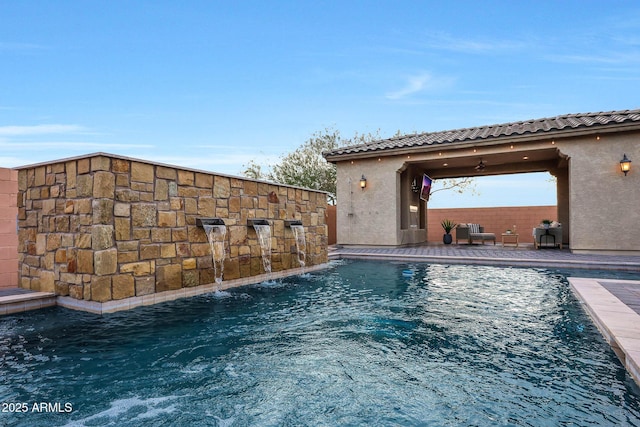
612	304
523	256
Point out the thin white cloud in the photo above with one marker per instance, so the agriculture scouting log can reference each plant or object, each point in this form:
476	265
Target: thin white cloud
30	144
226	163
223	147
534	180
10	162
76	145
19	46
445	41
218	159
605	58
40	130
420	83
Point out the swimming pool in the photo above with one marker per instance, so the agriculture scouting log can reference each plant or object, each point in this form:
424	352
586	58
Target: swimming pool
356	344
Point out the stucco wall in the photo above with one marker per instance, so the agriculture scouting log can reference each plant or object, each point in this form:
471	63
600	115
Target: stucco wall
494	220
603	202
8	233
368	216
104	228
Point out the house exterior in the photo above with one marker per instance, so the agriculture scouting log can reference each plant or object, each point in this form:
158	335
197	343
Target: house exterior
597	202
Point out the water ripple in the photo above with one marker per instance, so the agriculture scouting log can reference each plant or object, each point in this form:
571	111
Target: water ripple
355	344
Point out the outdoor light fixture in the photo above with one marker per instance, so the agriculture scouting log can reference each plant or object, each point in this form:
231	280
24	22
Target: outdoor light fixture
363	182
414	186
625	164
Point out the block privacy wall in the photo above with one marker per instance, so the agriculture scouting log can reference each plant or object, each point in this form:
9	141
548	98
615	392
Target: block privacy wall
8	228
494	220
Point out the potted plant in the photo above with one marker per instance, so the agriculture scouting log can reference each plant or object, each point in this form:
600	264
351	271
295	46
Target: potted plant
447	225
546	223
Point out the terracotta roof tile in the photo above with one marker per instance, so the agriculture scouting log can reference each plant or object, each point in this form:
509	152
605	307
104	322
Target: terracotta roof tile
551	124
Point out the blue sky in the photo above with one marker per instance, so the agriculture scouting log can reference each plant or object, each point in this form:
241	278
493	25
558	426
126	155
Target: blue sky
214	84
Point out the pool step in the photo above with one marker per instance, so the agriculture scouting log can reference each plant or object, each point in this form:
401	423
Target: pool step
17	300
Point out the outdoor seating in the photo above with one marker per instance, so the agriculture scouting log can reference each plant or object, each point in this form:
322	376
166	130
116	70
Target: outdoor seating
550	237
472	232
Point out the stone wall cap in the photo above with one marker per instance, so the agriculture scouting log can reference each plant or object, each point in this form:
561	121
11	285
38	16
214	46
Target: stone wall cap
120	157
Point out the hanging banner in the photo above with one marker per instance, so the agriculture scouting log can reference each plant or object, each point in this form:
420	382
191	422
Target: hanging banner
426	188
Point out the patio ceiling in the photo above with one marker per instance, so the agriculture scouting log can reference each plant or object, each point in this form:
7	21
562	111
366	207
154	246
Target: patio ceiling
456	165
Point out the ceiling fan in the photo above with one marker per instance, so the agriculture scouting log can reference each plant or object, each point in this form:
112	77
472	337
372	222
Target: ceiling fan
480	166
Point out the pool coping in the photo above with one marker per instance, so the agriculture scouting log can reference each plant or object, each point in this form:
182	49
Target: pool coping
35	300
19	303
617	322
504	258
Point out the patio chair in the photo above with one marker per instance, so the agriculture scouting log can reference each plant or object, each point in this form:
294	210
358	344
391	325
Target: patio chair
472	232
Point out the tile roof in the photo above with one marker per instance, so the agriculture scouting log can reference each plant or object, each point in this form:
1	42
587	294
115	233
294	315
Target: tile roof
527	127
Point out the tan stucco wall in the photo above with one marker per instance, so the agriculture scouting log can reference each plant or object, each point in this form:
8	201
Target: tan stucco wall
597	204
562	195
369	216
603	201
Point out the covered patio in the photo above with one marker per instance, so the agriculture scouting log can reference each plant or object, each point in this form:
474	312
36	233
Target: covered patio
582	151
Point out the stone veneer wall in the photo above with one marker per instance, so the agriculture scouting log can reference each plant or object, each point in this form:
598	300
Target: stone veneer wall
104	227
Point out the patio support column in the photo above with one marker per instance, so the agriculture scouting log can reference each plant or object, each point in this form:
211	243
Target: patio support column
562	194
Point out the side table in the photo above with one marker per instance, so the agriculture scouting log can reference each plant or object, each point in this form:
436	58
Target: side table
510	238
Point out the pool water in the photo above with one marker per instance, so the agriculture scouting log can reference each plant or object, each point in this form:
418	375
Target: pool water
360	343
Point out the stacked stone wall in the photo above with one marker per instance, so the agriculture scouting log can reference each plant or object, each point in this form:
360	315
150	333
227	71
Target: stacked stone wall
103	228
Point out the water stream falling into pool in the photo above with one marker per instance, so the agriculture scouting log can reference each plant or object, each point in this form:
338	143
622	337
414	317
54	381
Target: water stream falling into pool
301	243
264	238
216	235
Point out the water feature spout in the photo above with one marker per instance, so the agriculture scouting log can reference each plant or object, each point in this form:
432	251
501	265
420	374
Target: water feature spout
263	231
216	232
301	242
201	222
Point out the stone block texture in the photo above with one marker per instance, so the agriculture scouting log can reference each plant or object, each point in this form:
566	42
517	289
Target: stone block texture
104	227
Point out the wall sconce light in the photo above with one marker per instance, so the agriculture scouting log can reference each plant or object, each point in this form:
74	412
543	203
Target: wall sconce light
414	186
625	164
363	182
